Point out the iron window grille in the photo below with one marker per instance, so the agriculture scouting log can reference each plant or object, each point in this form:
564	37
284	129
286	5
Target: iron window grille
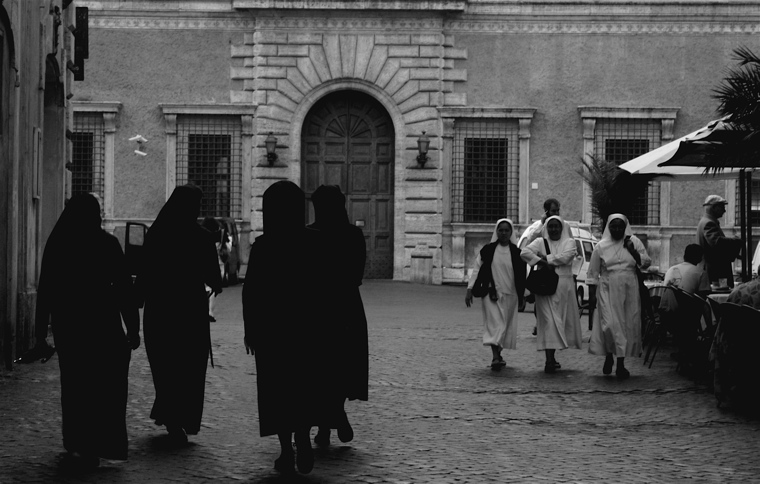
754	216
209	156
621	140
485	170
88	154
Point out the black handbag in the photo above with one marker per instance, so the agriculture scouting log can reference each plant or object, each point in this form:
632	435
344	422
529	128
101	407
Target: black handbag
542	280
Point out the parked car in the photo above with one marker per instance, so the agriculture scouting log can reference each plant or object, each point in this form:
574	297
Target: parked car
229	254
584	245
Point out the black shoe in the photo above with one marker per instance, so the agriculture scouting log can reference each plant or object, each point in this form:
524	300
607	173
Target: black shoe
177	435
535	331
607	368
304	455
345	432
622	373
211	319
550	368
322	438
286	463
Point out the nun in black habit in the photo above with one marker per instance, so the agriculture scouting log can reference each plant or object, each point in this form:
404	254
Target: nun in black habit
282	311
347	353
180	260
84	291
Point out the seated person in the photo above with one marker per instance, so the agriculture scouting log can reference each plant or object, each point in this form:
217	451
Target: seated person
688	276
747	293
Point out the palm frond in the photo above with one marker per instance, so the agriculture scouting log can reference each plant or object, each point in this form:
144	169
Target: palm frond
739	93
613	190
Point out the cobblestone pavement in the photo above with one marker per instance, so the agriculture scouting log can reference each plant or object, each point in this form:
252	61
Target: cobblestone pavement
436	413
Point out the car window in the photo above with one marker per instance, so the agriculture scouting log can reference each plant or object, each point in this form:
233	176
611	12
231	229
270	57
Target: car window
588	249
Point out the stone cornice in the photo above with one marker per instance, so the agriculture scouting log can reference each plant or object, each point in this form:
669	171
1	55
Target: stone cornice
597	112
143	21
349	24
96	106
416	5
487	112
604	27
208	109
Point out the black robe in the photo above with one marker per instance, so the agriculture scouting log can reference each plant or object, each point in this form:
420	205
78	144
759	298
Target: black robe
283	301
84	291
180	260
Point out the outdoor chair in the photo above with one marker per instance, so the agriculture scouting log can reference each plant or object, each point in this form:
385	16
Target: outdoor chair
693	339
733	359
657	329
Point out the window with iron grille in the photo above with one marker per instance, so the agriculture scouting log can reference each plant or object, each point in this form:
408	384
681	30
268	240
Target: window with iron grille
209	156
485	170
754	220
88	154
621	140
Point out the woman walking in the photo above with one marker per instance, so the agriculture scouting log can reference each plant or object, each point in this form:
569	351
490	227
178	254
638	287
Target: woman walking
348	354
180	261
499	268
85	290
287	327
614	291
557	320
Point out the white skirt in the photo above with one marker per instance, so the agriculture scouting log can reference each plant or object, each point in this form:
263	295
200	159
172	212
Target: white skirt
500	321
558	325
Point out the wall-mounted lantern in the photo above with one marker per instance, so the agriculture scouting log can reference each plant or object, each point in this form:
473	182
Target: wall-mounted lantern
423	144
271	144
140	144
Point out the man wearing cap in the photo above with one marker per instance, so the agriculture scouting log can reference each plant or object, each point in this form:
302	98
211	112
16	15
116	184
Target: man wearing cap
720	251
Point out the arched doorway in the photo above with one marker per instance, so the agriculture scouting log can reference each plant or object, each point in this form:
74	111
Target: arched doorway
348	140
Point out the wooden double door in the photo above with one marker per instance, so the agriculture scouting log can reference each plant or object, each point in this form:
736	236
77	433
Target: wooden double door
348	140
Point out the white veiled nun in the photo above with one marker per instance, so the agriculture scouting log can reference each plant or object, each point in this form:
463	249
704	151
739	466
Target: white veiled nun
508	274
557	322
614	288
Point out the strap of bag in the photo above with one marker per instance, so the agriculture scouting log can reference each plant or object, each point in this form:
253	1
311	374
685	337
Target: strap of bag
546	244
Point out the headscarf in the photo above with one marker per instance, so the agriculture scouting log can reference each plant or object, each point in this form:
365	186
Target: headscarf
495	236
79	221
607	240
178	213
329	207
283	206
566	234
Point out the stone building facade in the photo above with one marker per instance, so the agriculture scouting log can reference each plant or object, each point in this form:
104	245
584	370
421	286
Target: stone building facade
35	48
512	95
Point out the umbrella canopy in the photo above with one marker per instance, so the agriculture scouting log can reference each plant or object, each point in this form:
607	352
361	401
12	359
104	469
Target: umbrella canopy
685	157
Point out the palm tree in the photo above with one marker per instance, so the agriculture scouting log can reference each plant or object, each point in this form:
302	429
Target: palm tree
739	102
613	190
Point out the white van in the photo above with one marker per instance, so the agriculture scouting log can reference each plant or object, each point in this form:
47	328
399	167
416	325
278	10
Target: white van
584	245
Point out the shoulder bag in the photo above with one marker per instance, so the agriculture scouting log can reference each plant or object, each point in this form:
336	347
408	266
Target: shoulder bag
542	280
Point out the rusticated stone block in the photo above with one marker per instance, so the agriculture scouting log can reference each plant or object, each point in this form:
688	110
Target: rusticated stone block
298	80
407	90
364	46
455	74
392	39
403	51
348	54
308	71
281	61
304	38
427	39
376	62
454	53
242	51
271	72
429	85
415	62
448	41
288	89
389	70
293	50
424	73
265	49
431	51
455	99
401	77
270	37
421	99
331	45
319	61
241	97
241	73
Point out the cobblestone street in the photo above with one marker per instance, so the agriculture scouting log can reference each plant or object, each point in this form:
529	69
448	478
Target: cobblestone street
436	413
